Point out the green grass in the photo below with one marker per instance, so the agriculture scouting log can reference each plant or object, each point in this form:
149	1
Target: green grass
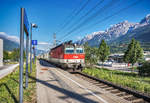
133	68
131	80
7	63
9	88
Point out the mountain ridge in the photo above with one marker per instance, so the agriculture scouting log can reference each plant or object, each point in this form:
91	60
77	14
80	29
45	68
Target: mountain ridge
121	32
9	42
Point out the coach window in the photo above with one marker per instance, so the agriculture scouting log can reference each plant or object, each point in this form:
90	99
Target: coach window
69	50
79	50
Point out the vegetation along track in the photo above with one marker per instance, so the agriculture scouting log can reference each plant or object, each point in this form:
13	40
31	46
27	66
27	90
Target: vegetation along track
126	93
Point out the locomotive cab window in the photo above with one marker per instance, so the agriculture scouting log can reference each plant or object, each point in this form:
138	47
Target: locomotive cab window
79	50
69	50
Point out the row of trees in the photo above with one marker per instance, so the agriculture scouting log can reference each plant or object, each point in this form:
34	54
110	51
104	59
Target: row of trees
13	55
134	52
92	54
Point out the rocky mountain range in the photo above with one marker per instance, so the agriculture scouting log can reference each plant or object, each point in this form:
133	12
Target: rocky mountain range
120	33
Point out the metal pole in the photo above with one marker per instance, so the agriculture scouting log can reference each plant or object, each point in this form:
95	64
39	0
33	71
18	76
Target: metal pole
34	54
31	49
21	57
27	53
54	39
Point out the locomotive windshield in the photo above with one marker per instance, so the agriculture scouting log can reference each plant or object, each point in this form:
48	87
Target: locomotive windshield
69	50
79	50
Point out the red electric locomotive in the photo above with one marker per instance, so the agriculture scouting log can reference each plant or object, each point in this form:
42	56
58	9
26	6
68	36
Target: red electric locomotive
68	55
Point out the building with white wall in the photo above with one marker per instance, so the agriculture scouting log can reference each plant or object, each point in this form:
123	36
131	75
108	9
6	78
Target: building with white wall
1	52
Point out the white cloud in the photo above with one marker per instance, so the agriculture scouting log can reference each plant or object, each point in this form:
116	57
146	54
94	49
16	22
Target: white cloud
45	46
11	38
2	33
43	43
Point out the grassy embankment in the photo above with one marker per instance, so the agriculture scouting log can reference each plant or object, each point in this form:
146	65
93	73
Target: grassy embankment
131	80
7	63
9	88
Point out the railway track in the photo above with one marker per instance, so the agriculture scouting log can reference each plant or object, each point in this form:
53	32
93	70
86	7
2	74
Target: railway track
122	92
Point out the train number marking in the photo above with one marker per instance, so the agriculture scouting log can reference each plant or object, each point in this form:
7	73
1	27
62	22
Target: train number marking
75	56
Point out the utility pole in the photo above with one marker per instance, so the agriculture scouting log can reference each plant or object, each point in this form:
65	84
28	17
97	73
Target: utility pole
31	49
34	54
54	36
34	26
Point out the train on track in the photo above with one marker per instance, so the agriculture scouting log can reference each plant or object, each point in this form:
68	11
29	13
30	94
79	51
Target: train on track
67	55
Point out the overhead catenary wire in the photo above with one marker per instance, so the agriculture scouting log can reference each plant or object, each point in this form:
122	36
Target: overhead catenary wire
86	3
114	7
114	14
123	9
74	14
111	3
68	17
104	19
88	12
93	16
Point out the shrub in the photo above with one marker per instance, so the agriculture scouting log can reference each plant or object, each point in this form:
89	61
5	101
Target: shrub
144	70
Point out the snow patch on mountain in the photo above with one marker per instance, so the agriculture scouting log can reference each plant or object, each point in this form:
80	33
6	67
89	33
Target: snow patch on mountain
89	37
146	20
119	29
114	31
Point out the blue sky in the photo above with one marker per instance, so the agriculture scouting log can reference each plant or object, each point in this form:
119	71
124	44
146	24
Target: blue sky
49	15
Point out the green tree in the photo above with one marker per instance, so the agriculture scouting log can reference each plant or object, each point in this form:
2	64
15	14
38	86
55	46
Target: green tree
90	54
87	53
15	55
133	53
6	55
144	70
103	51
140	51
93	56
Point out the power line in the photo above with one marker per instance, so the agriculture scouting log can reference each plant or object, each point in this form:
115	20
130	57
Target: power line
82	7
123	9
110	16
119	3
93	16
90	11
112	2
74	14
69	16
